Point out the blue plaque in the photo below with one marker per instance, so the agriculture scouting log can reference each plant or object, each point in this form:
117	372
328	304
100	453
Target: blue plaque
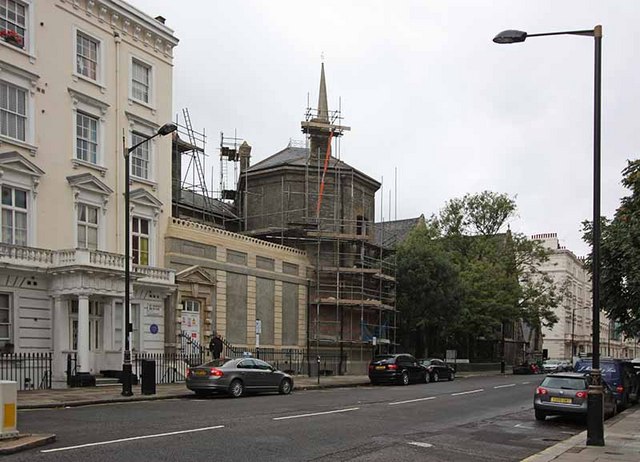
153	328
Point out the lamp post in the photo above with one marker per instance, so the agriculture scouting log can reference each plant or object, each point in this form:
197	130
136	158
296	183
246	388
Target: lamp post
595	419
126	364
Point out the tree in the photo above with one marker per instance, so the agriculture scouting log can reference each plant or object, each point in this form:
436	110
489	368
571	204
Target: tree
620	256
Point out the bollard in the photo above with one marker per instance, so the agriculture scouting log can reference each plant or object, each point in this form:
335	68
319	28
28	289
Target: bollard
8	408
502	366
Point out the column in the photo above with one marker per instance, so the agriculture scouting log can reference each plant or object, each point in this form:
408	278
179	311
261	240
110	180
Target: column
83	333
60	337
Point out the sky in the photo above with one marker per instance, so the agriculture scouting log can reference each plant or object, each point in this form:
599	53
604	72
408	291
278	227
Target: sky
429	97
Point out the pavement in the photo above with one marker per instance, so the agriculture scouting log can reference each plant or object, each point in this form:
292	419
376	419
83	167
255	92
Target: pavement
622	439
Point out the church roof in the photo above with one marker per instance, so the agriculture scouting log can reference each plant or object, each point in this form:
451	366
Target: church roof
388	234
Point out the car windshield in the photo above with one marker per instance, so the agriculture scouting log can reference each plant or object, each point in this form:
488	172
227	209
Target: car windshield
606	368
566	383
384	359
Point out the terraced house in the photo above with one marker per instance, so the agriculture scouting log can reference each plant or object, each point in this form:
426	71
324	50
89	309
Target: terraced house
78	80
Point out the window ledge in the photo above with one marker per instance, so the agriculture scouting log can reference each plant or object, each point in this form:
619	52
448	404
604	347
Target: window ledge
143	104
75	76
22	144
83	163
22	51
153	184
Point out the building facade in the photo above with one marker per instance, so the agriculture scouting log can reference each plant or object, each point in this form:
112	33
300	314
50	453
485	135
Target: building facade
571	335
79	80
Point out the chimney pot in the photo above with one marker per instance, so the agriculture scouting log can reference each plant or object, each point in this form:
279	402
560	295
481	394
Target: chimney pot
160	19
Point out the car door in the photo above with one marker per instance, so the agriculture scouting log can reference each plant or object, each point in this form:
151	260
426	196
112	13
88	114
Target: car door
247	373
415	371
265	375
439	367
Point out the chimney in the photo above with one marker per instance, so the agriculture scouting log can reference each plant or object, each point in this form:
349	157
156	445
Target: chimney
244	151
160	19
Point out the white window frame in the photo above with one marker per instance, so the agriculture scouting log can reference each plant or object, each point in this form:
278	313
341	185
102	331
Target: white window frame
24	116
142	207
100	64
86	225
142	127
191	305
96	325
96	109
24	81
9	323
152	78
14	209
92	120
28	45
138	154
138	235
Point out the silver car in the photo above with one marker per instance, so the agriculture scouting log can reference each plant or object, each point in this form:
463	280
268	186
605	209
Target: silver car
237	377
566	394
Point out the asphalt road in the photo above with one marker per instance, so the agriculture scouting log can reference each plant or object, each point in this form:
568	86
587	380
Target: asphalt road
475	419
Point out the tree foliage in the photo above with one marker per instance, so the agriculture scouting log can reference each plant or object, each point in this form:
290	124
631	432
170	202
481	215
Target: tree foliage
620	256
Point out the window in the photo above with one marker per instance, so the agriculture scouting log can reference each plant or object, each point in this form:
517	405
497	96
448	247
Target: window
192	306
13	111
87	227
87	49
140	238
96	314
5	320
87	137
140	157
13	16
135	327
14	216
140	80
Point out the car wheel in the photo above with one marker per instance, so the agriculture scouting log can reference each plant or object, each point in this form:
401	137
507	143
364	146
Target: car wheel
427	377
436	377
405	378
236	389
285	387
540	415
452	376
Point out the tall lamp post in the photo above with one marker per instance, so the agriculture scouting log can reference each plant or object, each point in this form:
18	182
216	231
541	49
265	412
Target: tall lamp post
126	364
595	418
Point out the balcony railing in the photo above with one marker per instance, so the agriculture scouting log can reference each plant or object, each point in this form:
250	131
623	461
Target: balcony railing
53	259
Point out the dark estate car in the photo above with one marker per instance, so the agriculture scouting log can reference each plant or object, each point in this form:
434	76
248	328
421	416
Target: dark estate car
398	368
619	374
565	393
437	369
237	376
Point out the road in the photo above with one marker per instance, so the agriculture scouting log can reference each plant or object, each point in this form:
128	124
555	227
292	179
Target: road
474	419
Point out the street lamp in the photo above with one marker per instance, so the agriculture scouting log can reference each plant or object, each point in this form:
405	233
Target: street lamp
595	419
126	364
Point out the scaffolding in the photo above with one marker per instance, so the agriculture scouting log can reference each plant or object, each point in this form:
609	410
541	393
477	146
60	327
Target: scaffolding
352	299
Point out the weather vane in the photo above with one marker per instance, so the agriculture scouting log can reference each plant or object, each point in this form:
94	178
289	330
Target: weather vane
322	56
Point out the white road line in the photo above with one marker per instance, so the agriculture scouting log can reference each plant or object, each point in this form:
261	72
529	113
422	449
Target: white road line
506	386
468	392
316	413
412	401
526	383
422	445
123	440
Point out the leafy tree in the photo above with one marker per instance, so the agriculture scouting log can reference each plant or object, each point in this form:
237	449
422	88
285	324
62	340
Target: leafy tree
620	256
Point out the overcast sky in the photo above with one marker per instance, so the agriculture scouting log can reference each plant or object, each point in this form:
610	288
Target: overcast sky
426	92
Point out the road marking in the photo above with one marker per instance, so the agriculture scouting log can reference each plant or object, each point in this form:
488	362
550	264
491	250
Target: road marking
523	426
506	386
123	440
316	413
468	392
422	445
412	400
526	383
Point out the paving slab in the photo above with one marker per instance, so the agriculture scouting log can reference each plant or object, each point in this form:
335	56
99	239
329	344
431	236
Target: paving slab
24	442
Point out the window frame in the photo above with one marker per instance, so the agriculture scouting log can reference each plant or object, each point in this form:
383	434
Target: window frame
14	113
99	80
96	109
135	155
86	225
95	142
28	38
150	103
13	209
9	323
194	304
137	235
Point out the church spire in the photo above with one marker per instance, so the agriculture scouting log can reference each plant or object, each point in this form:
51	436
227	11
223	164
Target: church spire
323	106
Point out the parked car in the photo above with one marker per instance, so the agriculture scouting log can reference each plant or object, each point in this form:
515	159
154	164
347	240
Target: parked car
397	368
437	369
565	393
526	368
555	365
619	374
237	377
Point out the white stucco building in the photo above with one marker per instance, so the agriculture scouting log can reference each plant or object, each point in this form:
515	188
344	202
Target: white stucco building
76	77
571	335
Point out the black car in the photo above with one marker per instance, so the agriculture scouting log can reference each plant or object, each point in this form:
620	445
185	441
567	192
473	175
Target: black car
237	376
437	369
398	368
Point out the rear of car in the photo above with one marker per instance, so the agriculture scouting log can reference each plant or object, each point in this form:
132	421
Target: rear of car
561	394
208	377
384	369
614	373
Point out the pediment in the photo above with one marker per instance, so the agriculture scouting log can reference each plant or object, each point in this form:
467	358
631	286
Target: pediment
143	197
17	162
195	274
88	182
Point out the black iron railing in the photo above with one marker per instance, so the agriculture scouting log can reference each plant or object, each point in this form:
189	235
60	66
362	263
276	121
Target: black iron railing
190	346
32	371
170	368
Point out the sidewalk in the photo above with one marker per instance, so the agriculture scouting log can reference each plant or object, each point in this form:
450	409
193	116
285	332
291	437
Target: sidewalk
622	442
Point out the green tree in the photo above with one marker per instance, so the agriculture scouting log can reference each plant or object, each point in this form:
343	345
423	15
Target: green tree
620	256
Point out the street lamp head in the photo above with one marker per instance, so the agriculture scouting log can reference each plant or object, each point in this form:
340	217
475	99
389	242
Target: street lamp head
167	128
510	36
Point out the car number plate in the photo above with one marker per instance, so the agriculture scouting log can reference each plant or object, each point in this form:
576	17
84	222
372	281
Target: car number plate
380	368
200	373
555	399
